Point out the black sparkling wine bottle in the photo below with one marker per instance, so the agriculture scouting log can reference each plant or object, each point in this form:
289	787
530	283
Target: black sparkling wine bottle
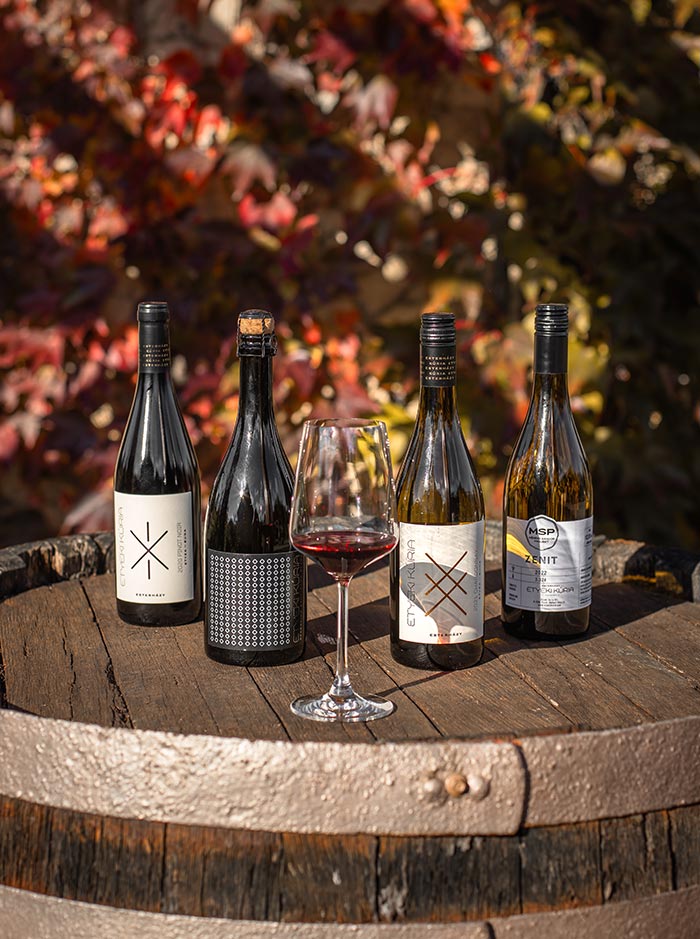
255	610
436	595
548	502
157	497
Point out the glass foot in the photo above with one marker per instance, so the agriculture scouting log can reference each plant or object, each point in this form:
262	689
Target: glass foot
349	709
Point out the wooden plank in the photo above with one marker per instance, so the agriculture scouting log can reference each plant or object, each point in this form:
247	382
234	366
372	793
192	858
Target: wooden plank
448	879
488	699
367	620
481	701
231	874
685	845
54	658
329	879
281	684
635	673
673	639
579	694
25	836
169	684
560	867
635	856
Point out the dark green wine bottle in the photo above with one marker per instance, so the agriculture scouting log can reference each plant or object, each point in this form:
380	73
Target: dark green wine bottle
436	596
548	502
255	609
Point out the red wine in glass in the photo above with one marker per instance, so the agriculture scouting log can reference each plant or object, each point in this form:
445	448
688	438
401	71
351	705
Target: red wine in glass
344	517
342	554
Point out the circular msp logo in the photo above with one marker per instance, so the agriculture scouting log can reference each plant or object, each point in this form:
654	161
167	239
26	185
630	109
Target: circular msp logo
542	532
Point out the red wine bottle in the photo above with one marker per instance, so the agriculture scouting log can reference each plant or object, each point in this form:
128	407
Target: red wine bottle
157	520
436	594
255	610
548	502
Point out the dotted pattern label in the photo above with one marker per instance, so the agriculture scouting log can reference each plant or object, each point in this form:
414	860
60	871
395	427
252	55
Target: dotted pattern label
438	370
154	356
255	602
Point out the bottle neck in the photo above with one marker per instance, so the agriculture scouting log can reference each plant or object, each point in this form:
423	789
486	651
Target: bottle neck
551	354
154	349
438	368
255	391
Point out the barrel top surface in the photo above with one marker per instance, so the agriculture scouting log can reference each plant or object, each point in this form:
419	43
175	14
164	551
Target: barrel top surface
64	653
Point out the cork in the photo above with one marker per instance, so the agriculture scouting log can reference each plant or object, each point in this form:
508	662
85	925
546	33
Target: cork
256	323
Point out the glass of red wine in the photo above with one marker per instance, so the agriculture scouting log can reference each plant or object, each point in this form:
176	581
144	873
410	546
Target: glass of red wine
344	517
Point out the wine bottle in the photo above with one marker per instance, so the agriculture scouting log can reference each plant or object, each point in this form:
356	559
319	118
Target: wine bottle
255	609
548	501
437	573
157	497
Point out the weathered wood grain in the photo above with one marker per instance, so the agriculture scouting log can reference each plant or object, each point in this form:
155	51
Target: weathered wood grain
581	695
560	867
242	875
685	845
54	659
235	875
638	675
329	879
635	856
168	683
448	879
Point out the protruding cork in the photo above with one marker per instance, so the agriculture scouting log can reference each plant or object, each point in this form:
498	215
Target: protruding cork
256	323
256	333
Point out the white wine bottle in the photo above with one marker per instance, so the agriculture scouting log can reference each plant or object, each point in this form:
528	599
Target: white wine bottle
437	572
548	501
255	606
157	520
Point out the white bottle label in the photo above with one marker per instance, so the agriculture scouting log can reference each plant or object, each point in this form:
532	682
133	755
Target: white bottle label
441	582
153	547
548	564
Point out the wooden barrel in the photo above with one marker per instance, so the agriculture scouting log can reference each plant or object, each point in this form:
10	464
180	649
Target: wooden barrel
553	791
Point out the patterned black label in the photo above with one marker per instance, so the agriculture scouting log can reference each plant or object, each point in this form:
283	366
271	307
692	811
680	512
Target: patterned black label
438	368
154	356
255	602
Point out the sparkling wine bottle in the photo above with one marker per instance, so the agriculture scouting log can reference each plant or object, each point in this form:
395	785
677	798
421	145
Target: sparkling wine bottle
255	609
548	502
437	572
157	521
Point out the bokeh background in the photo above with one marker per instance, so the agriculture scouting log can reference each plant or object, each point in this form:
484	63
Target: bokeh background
348	166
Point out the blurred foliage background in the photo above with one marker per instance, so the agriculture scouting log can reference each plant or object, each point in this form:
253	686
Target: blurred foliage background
348	165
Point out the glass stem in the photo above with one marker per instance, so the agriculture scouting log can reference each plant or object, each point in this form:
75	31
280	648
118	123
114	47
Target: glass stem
341	687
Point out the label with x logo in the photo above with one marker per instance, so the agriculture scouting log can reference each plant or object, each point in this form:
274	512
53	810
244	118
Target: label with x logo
153	547
441	573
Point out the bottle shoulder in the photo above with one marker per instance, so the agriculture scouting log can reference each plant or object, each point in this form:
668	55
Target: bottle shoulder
438	482
156	450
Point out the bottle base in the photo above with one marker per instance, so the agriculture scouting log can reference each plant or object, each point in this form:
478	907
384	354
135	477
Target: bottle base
255	659
153	614
536	625
442	657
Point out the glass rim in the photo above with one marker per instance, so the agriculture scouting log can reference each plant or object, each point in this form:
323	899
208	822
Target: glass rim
344	422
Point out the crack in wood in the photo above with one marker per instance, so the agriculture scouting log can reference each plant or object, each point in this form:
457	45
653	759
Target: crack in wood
3	685
120	709
197	685
73	677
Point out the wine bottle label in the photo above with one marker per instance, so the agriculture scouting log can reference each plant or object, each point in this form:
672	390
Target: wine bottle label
153	547
255	602
548	564
441	582
438	368
154	356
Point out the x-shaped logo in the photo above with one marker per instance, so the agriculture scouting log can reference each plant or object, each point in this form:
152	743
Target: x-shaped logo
148	549
446	575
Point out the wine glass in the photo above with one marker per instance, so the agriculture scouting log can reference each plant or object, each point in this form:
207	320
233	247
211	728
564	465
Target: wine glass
344	517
